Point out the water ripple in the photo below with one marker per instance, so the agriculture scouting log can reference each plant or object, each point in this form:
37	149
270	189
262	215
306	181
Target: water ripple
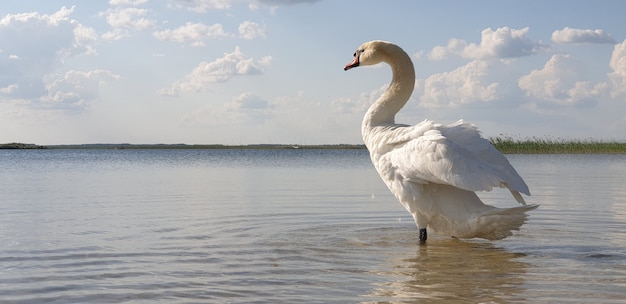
162	227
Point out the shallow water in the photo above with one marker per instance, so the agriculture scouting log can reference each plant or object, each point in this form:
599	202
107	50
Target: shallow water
285	226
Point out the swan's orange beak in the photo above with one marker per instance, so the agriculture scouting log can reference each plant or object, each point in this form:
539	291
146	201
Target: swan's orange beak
354	63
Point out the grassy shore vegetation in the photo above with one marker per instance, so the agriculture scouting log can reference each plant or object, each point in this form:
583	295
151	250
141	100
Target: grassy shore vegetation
535	145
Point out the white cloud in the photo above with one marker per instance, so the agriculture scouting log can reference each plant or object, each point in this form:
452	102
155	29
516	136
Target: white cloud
571	35
8	89
246	108
83	35
128	2
455	47
559	83
196	33
75	89
130	18
286	2
248	102
359	104
343	105
37	45
115	34
418	55
274	4
504	42
467	84
251	30
193	33
33	36
618	65
55	19
126	20
202	6
221	70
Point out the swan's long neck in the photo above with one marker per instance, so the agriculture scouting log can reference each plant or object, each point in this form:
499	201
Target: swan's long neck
384	110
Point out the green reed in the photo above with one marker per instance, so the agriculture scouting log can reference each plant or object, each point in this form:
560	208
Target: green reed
537	145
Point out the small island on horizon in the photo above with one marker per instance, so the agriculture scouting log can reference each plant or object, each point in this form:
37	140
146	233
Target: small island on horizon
504	144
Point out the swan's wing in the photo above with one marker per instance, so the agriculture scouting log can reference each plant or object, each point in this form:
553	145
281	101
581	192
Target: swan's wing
454	155
467	136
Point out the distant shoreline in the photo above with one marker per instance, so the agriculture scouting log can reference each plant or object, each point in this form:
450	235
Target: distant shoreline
178	146
505	145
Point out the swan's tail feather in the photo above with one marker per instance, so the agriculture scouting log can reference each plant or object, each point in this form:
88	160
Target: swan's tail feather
518	197
499	223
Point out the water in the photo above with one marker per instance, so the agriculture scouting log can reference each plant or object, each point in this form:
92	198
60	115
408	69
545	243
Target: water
291	226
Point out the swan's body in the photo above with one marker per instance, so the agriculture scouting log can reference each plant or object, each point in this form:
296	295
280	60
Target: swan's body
433	169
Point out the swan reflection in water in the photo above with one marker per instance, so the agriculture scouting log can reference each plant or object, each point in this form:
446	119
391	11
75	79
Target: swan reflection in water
450	271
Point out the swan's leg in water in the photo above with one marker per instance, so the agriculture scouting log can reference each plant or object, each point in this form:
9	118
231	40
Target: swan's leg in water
423	236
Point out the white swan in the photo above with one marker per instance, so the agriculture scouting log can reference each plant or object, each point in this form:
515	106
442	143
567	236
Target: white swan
433	169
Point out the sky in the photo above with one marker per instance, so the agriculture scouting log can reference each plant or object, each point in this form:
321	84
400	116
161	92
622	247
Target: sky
271	71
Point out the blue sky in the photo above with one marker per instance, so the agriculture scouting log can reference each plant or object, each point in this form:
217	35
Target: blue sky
271	71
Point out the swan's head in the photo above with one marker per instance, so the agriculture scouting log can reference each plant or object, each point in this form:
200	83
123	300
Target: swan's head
369	53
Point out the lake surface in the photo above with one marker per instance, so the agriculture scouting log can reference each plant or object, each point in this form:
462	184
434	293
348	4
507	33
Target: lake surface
291	226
